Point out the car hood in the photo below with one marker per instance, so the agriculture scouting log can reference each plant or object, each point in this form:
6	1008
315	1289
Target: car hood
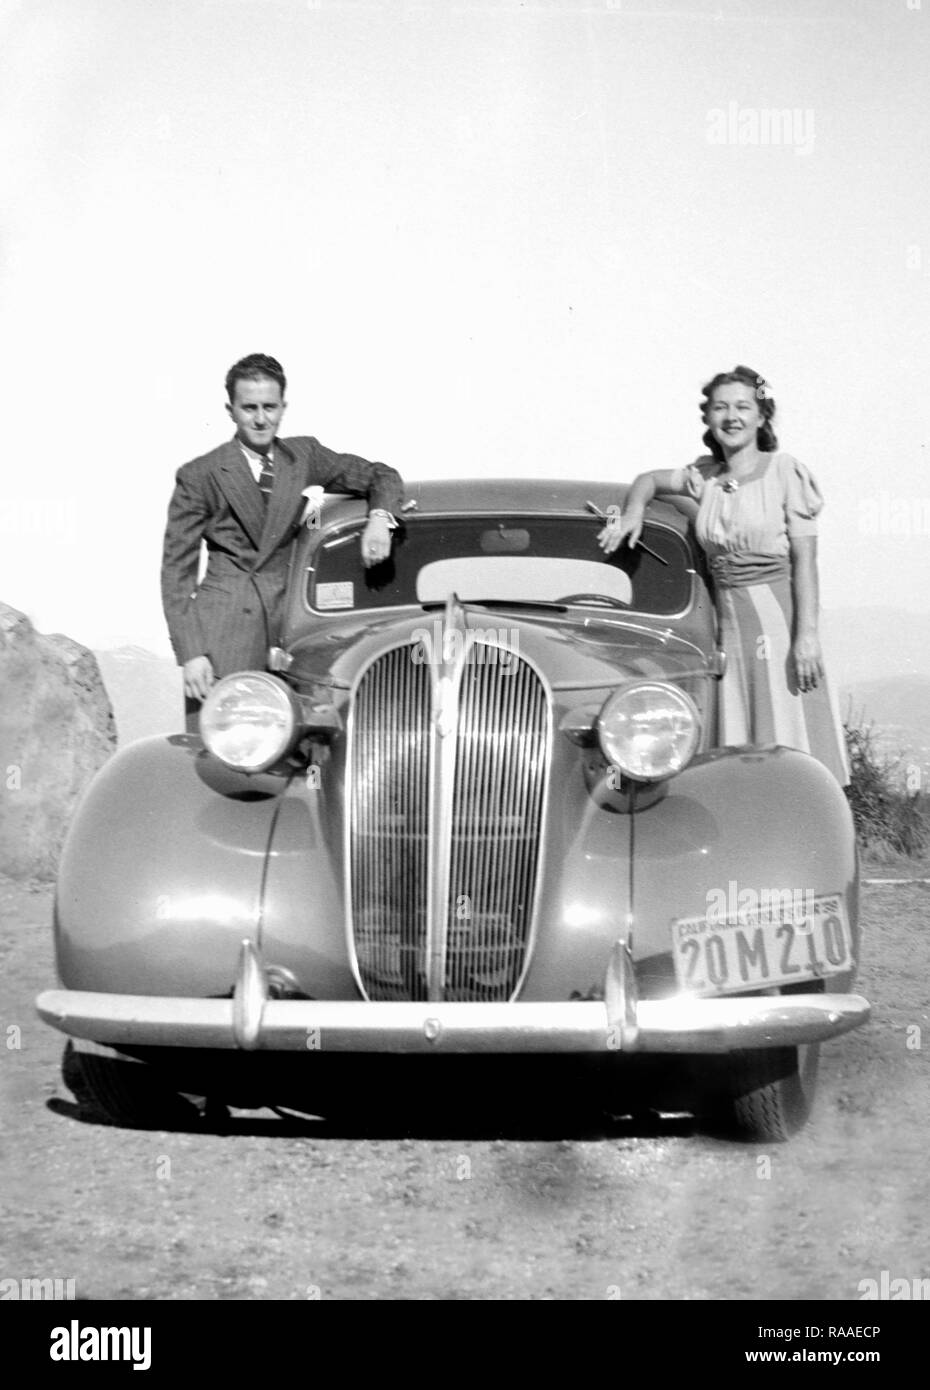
571	652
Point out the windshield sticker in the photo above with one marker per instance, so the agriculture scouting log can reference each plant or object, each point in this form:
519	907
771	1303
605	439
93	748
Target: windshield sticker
340	595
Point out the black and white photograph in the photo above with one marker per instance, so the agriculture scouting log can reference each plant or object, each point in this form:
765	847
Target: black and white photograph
465	663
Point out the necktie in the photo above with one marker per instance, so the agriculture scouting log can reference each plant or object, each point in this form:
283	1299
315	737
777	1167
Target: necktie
266	478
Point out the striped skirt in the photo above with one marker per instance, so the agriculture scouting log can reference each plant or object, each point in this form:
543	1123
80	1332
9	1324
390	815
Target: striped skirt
759	698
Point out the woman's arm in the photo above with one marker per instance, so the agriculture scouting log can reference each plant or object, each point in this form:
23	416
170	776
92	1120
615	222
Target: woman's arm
644	487
805	646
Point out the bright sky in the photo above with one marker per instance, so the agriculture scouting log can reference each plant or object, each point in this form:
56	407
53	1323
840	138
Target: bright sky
484	239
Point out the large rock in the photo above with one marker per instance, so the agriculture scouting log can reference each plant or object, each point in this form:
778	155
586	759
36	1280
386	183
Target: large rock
56	730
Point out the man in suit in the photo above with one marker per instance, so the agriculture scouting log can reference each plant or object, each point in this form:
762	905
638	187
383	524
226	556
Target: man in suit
245	500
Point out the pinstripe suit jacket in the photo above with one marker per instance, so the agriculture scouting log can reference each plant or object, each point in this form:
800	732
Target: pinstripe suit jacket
235	613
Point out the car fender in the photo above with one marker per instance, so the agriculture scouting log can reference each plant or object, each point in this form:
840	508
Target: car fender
164	871
738	818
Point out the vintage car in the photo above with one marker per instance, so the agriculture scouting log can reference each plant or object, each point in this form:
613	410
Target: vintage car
475	806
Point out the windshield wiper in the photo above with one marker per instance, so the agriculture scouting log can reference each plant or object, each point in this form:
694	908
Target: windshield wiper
500	603
640	544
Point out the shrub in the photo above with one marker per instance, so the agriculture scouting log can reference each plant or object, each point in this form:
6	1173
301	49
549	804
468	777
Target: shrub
890	821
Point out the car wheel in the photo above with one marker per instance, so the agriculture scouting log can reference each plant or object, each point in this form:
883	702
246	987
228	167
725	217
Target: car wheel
128	1092
770	1092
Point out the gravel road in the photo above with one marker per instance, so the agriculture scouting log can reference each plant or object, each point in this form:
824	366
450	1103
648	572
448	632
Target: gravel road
549	1205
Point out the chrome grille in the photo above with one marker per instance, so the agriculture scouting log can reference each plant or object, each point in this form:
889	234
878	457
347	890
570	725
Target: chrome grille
491	837
389	771
499	778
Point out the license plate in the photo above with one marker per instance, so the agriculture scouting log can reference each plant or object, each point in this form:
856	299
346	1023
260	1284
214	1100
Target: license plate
761	947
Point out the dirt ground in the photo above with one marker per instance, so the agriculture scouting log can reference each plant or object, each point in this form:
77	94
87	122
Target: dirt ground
550	1207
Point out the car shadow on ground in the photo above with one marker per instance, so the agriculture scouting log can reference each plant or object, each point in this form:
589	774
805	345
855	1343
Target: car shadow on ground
556	1125
454	1097
551	1123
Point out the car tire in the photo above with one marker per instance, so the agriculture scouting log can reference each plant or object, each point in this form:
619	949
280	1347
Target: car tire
127	1092
771	1092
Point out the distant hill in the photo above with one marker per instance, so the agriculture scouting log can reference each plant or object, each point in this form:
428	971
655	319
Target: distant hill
144	690
875	644
899	710
878	659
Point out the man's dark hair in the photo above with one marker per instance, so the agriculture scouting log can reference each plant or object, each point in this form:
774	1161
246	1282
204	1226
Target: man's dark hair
252	368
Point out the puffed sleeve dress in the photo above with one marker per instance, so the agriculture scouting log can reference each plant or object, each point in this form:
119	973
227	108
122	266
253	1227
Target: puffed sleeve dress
746	534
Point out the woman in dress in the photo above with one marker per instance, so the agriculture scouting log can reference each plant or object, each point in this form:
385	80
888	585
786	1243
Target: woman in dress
757	523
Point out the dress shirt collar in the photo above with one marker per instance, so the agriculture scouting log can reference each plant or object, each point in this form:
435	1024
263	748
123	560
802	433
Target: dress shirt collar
255	461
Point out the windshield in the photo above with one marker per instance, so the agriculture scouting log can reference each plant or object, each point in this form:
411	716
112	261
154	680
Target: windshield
523	559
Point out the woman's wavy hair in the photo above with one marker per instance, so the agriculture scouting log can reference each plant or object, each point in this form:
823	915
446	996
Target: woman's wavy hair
745	376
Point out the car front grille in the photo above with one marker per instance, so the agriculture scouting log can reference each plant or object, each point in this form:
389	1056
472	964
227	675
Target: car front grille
477	831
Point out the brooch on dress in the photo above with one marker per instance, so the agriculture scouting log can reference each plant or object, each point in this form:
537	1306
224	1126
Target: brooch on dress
730	485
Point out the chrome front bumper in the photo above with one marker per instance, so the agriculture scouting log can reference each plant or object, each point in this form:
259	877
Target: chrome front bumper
252	1021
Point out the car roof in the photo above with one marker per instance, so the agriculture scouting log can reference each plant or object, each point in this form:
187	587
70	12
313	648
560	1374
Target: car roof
475	495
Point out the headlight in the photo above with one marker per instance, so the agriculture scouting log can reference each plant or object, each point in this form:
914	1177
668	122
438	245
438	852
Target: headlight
249	721
649	730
